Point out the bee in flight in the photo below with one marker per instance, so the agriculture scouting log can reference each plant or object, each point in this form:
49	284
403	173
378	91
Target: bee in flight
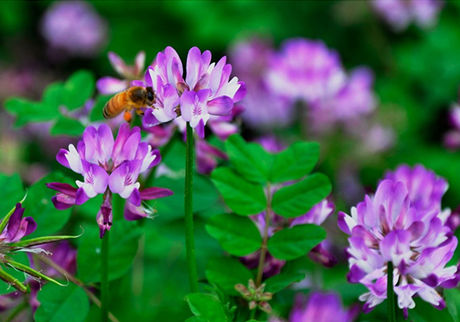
133	98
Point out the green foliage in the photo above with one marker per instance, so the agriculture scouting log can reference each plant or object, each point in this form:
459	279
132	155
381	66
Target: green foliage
123	244
206	308
452	297
297	199
250	159
237	235
12	192
226	273
291	243
38	205
294	162
59	100
241	196
62	303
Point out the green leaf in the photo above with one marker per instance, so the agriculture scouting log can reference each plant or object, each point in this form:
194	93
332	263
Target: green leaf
96	112
69	303
295	162
241	196
207	307
227	272
297	199
237	235
250	159
67	126
52	98
12	192
123	242
39	206
26	111
282	280
78	89
453	302
291	243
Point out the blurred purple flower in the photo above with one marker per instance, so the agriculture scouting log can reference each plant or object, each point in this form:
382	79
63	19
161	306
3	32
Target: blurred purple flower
112	85
107	166
394	225
400	13
74	26
262	108
354	99
320	307
206	91
305	70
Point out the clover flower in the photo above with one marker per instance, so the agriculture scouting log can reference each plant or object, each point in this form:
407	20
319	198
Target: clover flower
320	307
112	85
397	225
305	70
400	13
263	109
108	166
75	27
205	94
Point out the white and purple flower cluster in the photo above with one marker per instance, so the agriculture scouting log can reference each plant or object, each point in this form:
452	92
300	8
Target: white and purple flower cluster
400	13
303	70
108	166
402	223
206	94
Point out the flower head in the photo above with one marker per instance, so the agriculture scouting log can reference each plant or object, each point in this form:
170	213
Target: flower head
206	90
75	27
395	225
17	226
305	70
108	166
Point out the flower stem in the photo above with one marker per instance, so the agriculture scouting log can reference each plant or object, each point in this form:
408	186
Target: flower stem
189	232
105	277
390	294
263	249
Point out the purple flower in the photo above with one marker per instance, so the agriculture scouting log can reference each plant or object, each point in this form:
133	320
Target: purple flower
107	166
75	27
263	109
206	156
320	307
206	91
17	227
354	99
395	225
424	187
400	13
305	70
111	85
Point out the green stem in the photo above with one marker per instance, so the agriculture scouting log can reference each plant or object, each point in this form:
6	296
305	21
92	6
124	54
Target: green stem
390	294
263	249
105	277
189	237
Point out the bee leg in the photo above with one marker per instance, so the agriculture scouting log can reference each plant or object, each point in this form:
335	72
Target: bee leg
127	116
139	111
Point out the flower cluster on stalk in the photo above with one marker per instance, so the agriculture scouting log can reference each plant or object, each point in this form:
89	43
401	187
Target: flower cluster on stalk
109	166
402	223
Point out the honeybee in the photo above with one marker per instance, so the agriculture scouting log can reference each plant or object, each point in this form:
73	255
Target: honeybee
133	98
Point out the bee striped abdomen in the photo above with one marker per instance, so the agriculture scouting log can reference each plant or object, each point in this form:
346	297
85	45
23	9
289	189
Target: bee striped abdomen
116	105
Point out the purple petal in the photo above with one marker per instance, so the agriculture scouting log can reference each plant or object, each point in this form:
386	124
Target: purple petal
240	93
134	213
62	187
117	63
111	85
155	193
81	197
220	106
200	129
135	198
187	104
14	222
